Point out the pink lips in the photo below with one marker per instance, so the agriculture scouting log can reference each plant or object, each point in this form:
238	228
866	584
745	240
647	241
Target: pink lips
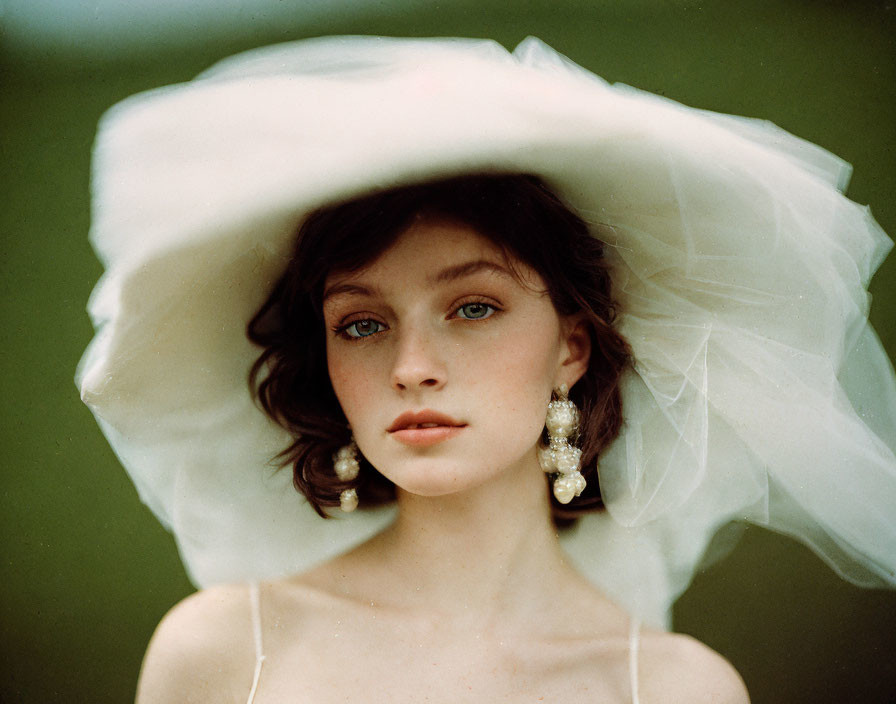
424	428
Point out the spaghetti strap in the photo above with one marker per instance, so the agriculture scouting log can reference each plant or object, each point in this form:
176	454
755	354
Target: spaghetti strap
255	607
634	644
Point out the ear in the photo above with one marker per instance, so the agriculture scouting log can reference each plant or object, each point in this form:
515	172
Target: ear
575	350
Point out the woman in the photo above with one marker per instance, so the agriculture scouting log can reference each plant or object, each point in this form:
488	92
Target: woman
739	272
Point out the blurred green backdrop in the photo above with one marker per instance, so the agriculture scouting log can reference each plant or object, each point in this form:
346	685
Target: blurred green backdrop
87	572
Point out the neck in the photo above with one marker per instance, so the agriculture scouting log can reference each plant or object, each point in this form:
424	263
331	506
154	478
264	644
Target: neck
481	556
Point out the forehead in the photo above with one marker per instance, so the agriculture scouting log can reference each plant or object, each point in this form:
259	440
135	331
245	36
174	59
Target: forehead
430	245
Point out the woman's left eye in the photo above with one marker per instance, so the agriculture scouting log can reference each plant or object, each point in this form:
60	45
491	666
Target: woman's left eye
475	311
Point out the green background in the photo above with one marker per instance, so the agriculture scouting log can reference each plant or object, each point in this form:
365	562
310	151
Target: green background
87	572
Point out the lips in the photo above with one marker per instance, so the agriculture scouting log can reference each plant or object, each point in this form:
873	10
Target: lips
423	428
423	419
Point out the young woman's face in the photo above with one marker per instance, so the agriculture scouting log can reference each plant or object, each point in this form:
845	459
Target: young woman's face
444	361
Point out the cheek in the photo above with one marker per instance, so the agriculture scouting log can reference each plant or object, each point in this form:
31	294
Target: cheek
352	384
517	373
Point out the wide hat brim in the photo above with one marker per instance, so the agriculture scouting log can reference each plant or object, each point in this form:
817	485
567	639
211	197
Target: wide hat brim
740	269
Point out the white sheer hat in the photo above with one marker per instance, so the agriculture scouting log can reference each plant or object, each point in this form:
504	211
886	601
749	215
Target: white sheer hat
759	393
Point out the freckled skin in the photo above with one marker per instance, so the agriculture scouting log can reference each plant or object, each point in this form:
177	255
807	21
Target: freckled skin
494	373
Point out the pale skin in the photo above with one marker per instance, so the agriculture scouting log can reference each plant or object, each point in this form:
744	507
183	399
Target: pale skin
468	596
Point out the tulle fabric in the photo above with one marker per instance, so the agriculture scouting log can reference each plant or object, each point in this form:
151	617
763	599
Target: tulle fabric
759	392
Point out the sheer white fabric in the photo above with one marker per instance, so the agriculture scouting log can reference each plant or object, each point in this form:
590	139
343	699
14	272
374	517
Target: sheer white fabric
759	393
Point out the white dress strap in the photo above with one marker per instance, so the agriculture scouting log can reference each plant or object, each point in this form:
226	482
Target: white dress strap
634	645
255	607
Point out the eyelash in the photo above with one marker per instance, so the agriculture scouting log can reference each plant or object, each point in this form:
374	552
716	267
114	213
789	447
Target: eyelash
342	330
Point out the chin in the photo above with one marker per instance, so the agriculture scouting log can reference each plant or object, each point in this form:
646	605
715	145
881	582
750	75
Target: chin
441	476
434	478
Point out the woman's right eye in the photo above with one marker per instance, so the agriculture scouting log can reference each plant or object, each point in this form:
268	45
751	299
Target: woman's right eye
362	328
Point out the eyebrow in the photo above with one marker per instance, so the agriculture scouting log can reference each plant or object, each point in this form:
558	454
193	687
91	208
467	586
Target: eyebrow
452	273
459	271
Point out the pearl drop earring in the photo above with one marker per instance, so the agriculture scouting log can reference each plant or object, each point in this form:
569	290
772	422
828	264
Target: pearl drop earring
560	457
345	463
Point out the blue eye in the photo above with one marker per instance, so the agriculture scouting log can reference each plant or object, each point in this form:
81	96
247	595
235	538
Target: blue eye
475	311
363	328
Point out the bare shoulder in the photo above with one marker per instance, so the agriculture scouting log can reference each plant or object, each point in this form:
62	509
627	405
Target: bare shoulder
677	668
202	650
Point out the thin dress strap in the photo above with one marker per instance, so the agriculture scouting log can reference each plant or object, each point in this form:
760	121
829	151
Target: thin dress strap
255	606
634	645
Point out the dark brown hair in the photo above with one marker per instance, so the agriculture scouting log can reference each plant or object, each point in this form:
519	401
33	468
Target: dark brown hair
519	215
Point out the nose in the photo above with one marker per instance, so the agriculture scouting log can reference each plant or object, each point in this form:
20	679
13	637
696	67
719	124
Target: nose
417	363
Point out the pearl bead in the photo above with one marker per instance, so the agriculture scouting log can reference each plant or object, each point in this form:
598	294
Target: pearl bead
564	489
346	452
348	500
580	482
561	418
546	459
346	468
567	459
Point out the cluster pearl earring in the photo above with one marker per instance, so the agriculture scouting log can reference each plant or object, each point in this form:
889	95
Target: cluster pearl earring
560	457
345	463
